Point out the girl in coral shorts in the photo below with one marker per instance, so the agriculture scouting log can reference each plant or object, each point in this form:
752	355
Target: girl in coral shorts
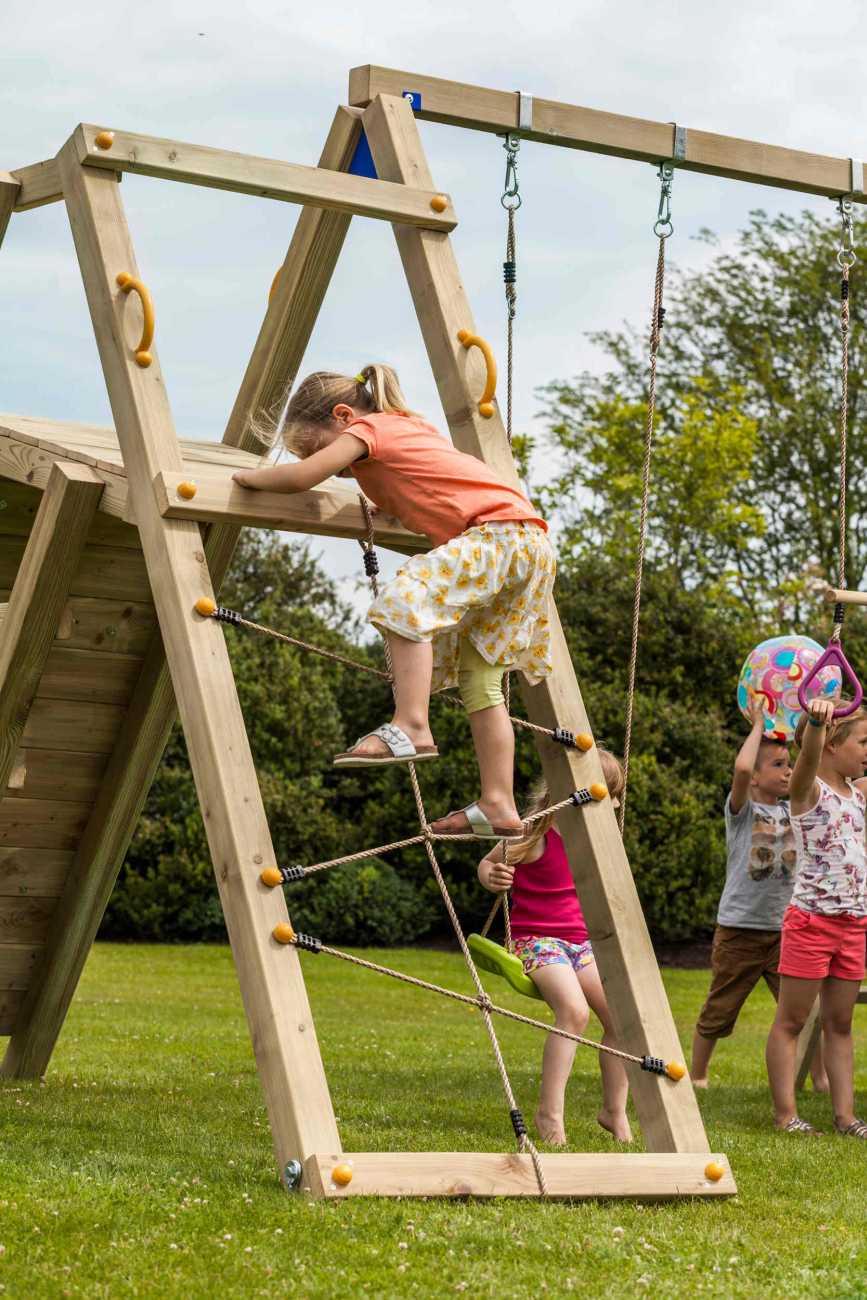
822	950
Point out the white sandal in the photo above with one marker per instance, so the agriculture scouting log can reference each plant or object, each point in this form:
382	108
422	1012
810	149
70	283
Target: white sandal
479	826
400	747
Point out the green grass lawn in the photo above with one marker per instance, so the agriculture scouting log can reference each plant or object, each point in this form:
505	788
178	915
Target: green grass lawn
143	1166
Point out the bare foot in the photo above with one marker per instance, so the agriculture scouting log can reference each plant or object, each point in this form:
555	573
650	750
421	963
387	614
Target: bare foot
550	1128
699	1083
615	1123
821	1084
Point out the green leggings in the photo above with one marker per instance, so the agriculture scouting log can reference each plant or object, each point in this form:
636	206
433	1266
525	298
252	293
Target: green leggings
480	683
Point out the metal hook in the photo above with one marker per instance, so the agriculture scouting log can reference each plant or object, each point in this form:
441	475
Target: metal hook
846	255
663	226
511	198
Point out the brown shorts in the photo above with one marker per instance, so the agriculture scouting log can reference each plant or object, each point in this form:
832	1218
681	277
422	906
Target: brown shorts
739	959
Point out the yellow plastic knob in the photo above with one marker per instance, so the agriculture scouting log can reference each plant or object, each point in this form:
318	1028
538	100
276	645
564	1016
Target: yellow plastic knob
187	490
486	410
675	1070
598	790
104	139
439	203
206	606
143	359
342	1175
584	741
283	932
271	877
714	1171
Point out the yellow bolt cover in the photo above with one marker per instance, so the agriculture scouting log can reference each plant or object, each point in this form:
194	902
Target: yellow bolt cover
271	876
486	410
598	790
283	932
439	203
584	741
342	1175
187	490
143	359
104	139
205	606
675	1070
714	1171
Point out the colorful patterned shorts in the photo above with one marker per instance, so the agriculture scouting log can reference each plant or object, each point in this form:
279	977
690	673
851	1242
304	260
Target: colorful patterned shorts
542	950
492	584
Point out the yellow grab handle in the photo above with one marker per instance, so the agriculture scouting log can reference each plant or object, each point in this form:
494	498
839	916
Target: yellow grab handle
486	406
129	284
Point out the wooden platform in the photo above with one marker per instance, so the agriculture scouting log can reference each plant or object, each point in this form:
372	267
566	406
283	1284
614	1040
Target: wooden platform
88	679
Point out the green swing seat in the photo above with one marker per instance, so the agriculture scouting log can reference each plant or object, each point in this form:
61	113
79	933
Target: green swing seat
492	957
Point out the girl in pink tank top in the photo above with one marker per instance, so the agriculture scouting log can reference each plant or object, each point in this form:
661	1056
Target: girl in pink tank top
550	937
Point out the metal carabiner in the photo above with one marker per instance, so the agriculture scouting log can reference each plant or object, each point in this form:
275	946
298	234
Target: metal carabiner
511	197
663	226
846	255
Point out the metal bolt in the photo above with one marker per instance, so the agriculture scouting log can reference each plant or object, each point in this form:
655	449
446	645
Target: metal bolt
292	1175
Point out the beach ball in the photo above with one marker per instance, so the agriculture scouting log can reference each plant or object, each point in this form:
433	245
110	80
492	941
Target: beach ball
775	670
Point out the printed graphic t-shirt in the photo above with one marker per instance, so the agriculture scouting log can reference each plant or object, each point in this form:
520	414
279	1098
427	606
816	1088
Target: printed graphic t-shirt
832	865
760	871
413	472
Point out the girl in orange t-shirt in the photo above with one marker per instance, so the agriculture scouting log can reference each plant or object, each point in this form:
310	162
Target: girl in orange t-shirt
463	613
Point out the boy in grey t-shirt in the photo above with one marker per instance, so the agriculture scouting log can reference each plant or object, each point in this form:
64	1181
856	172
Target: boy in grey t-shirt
760	874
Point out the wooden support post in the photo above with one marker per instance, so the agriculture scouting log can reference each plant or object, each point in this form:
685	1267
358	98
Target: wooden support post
39	595
9	190
669	1116
309	264
273	991
808	1040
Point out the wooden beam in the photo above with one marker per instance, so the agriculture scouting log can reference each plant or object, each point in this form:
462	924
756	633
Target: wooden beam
25	463
329	511
458	103
669	1116
838	596
641	1177
294	306
9	189
275	1000
39	595
40	184
266	178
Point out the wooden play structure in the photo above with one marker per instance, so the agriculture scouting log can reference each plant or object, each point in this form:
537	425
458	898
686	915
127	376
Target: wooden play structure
109	538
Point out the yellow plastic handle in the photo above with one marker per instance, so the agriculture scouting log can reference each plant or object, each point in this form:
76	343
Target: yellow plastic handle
486	406
129	284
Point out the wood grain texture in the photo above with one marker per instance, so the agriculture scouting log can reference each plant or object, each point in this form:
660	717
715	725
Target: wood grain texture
57	774
33	871
9	190
40	184
17	963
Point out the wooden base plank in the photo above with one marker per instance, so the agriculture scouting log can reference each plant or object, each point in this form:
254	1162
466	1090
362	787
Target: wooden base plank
99	623
83	675
26	871
57	774
42	823
17	963
72	725
111	572
597	1176
25	920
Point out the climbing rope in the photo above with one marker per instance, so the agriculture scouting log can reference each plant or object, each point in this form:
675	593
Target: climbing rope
663	228
846	259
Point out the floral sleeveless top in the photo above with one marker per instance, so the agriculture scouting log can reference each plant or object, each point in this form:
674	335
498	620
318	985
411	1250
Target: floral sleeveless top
832	863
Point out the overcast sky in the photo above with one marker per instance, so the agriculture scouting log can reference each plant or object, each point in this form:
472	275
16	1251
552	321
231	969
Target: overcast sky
265	77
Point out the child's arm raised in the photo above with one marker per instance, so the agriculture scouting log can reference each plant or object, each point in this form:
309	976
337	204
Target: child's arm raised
495	874
803	792
301	475
747	756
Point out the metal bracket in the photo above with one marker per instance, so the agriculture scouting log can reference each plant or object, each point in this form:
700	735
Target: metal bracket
413	97
856	176
680	142
292	1175
525	111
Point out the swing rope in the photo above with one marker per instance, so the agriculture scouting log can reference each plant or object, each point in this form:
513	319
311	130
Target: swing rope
845	260
663	228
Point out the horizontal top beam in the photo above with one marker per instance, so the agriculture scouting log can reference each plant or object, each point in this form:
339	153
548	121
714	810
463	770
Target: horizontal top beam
458	103
266	178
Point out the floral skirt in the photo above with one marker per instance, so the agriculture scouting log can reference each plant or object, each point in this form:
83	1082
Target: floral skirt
491	584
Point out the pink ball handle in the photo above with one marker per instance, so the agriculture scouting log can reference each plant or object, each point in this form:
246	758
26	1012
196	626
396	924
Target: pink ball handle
833	654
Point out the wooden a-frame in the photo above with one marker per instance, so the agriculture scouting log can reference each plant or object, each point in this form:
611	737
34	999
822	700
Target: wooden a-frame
186	547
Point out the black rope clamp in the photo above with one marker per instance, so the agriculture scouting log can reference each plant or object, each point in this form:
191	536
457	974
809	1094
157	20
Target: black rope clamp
844	289
580	797
564	737
654	1064
291	874
839	614
518	1124
371	563
660	318
227	615
308	943
510	272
